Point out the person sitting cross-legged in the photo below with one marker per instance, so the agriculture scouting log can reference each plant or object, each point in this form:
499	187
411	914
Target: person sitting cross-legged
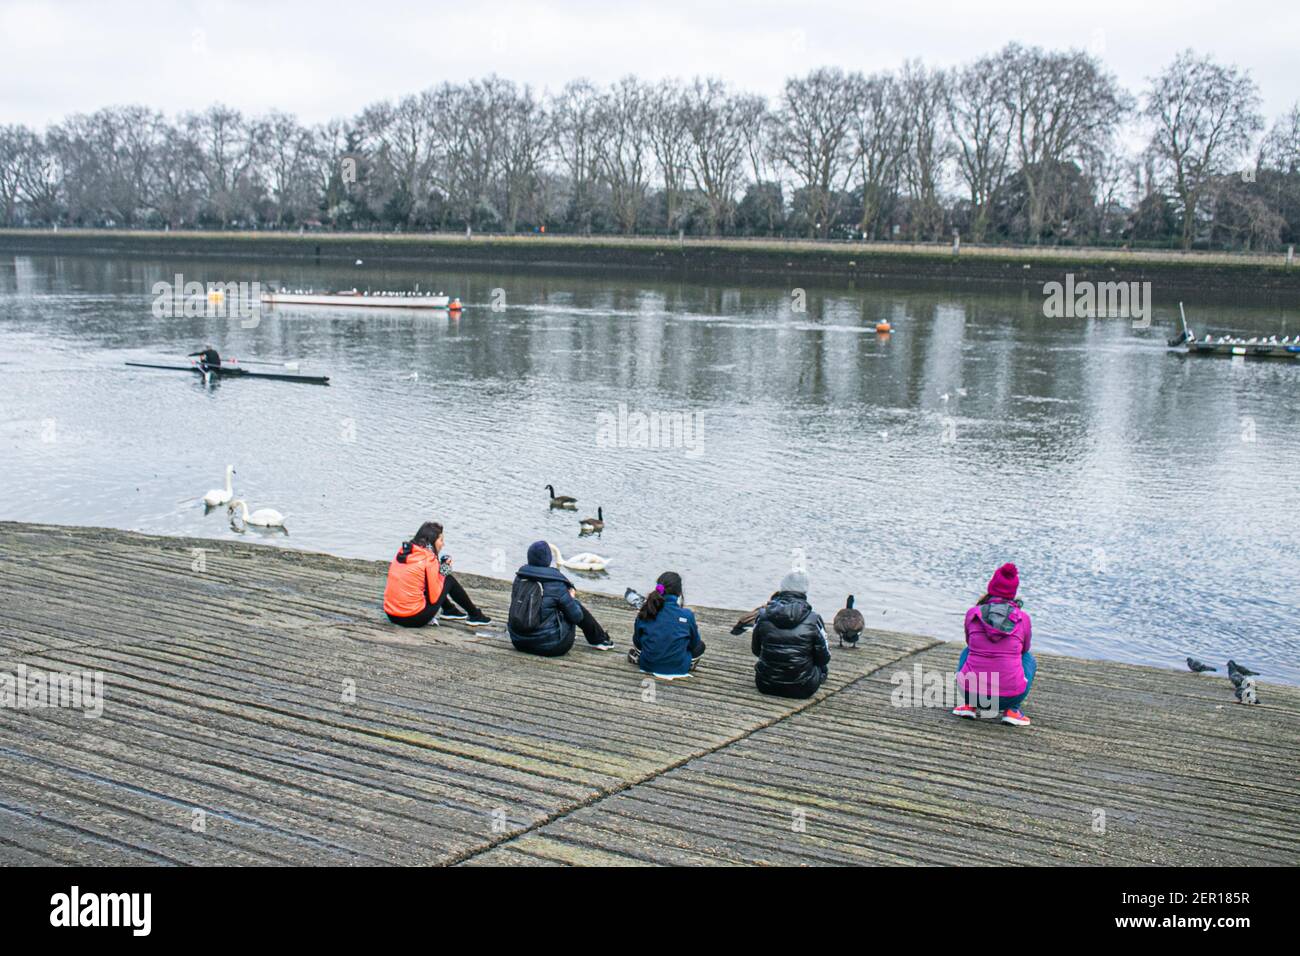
544	609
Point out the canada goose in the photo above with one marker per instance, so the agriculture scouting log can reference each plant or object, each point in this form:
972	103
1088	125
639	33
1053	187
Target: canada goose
591	525
746	622
848	624
562	501
220	496
261	518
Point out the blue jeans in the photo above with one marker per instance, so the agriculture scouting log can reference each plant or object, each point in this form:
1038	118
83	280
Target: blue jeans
1007	703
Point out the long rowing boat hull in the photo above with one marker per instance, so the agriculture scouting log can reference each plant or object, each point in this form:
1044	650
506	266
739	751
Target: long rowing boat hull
1249	351
225	372
359	301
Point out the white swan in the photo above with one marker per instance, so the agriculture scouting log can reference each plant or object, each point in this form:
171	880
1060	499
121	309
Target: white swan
262	517
586	561
218	496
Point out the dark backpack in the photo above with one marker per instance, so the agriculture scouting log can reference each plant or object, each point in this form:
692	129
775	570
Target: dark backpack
525	615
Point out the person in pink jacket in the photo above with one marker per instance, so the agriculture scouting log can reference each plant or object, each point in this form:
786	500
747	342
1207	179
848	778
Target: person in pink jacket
996	669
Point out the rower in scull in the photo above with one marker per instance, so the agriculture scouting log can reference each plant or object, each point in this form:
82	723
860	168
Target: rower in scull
209	359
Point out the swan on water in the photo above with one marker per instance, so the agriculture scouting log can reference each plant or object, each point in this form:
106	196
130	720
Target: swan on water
261	518
586	561
220	496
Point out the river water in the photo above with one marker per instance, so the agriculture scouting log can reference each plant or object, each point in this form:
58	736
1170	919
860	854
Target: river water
1148	499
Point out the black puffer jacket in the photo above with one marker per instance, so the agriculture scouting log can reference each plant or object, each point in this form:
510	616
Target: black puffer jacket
790	644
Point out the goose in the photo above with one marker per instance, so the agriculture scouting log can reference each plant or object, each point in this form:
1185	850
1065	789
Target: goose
562	501
591	525
586	561
848	624
745	622
220	496
261	518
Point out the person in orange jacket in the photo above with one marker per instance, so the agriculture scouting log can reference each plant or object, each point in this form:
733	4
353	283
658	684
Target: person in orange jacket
421	586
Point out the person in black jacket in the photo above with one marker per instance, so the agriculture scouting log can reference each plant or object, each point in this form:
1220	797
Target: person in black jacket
561	610
790	642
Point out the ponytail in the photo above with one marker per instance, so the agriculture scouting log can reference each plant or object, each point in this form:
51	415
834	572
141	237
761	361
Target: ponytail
670	582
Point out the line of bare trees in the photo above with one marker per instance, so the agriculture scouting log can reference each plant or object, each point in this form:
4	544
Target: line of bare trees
1024	145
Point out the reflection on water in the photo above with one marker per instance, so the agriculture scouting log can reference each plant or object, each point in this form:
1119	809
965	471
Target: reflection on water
1147	498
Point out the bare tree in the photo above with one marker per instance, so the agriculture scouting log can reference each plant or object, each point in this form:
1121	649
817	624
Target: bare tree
525	130
576	134
403	137
14	144
1205	116
668	134
715	123
928	147
287	160
228	149
1280	149
880	139
623	148
812	137
1060	102
981	128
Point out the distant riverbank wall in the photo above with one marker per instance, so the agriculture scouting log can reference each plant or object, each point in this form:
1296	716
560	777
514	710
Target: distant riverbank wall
1194	275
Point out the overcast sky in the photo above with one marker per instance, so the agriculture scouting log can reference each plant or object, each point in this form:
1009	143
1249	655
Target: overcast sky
329	58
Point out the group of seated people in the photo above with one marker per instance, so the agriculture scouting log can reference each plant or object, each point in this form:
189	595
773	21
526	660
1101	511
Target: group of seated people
789	637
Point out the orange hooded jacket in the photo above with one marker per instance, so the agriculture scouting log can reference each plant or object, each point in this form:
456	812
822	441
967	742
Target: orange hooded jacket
414	581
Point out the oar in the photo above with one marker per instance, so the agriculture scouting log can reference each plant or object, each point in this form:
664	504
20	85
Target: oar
291	366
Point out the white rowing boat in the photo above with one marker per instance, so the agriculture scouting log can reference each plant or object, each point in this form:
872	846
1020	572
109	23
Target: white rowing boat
369	300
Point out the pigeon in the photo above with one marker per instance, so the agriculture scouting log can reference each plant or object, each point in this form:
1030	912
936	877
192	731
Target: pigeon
848	624
746	622
1197	667
1235	668
634	598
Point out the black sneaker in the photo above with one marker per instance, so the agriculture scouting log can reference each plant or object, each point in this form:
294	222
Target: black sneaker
605	645
478	619
452	614
633	656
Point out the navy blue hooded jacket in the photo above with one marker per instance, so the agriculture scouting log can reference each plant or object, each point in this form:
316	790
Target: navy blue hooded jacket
668	641
560	611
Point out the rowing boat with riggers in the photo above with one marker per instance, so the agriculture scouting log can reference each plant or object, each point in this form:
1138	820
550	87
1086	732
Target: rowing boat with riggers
1251	348
370	300
231	371
1259	346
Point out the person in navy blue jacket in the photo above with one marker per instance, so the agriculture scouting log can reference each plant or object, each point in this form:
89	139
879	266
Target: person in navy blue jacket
561	610
666	640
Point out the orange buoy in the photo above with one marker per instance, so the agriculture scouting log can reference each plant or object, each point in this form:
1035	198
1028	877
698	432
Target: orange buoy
454	306
884	328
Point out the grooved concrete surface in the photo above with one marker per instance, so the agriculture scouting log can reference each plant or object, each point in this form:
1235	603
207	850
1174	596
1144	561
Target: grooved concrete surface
262	711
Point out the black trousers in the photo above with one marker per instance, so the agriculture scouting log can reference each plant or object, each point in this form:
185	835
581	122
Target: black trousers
795	691
451	592
591	630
